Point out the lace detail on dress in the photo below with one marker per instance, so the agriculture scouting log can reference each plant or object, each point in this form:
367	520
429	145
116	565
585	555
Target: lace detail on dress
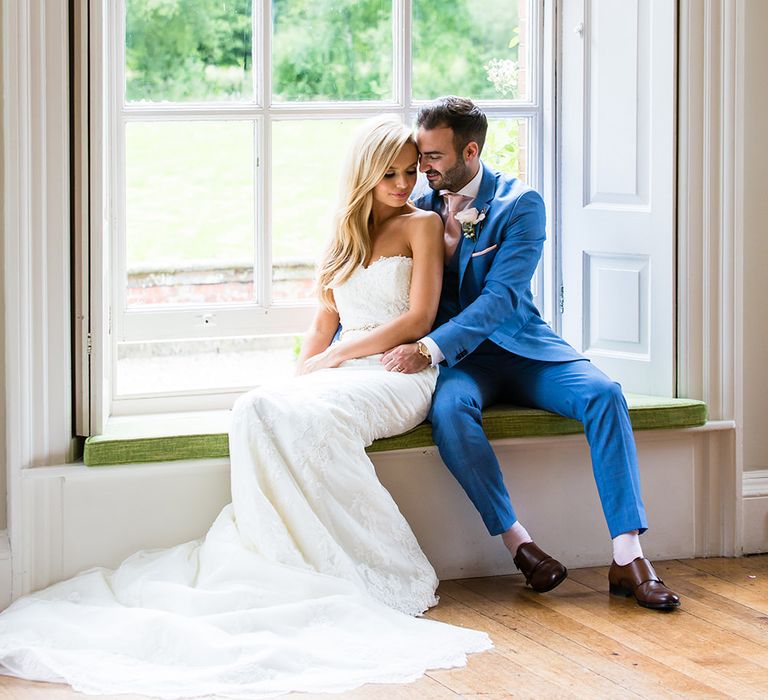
297	584
308	438
374	295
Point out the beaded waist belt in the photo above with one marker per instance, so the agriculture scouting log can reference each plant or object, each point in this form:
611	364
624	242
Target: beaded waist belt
367	327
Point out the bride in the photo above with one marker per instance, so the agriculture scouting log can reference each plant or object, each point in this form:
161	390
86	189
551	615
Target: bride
310	579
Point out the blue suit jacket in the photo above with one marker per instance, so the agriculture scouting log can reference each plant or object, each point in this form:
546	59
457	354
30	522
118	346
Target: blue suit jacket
495	272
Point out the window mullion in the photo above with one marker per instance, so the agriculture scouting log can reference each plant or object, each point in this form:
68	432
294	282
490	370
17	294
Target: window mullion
258	55
503	109
212	111
265	33
401	46
263	248
535	148
117	224
547	150
263	219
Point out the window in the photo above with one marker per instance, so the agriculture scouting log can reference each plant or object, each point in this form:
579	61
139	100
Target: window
227	125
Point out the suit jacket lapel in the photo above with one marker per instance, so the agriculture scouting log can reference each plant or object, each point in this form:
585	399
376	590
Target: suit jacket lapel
435	202
431	201
483	201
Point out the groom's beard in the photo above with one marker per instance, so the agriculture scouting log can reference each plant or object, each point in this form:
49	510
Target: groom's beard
452	179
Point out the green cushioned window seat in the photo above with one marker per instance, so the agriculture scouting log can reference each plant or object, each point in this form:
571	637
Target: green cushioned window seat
203	434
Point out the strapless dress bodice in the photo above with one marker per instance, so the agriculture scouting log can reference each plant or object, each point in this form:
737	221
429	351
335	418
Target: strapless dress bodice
374	295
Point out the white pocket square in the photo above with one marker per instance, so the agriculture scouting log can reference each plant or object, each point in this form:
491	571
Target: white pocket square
486	250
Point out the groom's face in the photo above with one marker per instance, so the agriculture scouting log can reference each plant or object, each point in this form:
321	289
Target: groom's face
445	169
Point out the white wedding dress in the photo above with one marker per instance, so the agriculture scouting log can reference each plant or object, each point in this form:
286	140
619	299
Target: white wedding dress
308	581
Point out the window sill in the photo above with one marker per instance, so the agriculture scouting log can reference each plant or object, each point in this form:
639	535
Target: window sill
203	434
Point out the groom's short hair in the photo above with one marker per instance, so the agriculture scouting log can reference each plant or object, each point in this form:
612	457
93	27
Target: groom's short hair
467	120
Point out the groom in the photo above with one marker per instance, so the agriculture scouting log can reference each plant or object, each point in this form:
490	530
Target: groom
492	345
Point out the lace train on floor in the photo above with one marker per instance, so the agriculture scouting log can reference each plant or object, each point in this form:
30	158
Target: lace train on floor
308	581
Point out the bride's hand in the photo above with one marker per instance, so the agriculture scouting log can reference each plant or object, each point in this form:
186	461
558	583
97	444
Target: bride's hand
329	358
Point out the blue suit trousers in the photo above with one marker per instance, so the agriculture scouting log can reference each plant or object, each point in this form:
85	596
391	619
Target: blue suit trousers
575	389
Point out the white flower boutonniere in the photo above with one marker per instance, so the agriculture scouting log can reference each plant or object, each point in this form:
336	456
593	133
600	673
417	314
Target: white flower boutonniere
469	218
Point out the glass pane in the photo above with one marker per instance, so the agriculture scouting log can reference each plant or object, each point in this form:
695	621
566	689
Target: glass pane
188	50
307	157
204	364
331	50
189	212
506	147
474	49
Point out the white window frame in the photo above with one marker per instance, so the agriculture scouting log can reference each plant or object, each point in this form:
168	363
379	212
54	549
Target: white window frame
120	324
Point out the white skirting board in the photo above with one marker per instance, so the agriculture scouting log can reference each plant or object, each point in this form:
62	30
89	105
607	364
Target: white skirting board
756	511
76	517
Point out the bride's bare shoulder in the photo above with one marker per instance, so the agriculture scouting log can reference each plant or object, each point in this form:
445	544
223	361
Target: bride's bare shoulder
424	231
422	214
421	219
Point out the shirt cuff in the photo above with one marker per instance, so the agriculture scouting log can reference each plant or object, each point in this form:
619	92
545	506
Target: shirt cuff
434	351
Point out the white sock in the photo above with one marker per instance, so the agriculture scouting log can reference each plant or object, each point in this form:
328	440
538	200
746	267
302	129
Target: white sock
626	548
515	536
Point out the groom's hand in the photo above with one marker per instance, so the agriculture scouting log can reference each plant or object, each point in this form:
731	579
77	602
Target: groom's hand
404	358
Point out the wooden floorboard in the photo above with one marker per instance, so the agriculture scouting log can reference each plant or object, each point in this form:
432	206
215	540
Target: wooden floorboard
589	648
679	638
580	642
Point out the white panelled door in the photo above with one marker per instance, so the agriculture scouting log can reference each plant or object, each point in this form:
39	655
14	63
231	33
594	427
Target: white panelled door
617	188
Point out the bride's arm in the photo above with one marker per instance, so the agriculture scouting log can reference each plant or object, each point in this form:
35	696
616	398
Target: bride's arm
318	337
426	240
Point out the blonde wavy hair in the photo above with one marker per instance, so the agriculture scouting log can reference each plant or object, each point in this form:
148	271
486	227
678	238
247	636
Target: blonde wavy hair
372	152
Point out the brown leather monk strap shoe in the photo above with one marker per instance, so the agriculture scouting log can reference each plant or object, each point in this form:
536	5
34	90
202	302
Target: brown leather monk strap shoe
639	579
542	572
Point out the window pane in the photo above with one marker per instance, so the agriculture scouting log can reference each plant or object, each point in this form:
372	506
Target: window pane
307	160
189	212
188	50
203	364
506	147
469	48
331	50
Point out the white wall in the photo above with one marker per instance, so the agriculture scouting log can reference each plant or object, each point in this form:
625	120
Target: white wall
3	482
77	517
755	280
